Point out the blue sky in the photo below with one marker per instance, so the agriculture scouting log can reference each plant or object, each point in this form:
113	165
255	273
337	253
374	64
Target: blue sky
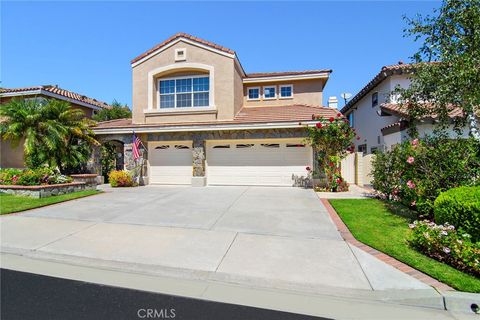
87	46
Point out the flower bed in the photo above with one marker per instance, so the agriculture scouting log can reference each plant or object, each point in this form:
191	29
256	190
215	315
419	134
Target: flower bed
43	182
444	243
32	177
46	190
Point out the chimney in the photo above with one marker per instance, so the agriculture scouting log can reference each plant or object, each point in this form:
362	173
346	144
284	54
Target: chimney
333	102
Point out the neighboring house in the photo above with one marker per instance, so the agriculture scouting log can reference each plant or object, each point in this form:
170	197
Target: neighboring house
13	157
379	120
205	121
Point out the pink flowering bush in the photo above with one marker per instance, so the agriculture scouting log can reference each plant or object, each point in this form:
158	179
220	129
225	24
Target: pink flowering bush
417	171
332	139
446	244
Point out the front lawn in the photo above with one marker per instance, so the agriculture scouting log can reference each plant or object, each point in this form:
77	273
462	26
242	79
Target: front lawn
10	203
385	228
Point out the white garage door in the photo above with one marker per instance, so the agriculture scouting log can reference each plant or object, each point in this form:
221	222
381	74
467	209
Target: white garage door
170	163
270	163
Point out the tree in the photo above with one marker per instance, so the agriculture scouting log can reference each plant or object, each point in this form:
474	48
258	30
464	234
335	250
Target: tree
332	141
55	134
447	73
118	111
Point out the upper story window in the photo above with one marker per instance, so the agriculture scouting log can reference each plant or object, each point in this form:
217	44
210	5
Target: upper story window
254	93
351	119
269	92
184	92
374	99
286	91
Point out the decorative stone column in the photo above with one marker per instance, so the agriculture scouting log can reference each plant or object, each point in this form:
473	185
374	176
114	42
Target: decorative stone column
94	163
198	152
128	161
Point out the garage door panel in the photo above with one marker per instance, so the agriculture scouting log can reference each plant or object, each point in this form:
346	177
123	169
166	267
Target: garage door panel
170	163
257	165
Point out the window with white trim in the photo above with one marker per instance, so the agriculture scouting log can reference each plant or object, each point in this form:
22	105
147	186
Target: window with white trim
269	92
253	93
184	92
286	91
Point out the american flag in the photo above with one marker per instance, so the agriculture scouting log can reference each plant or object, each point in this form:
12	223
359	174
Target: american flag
136	145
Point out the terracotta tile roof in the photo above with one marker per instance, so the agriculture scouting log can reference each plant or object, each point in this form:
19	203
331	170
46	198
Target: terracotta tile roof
288	113
401	110
298	112
58	91
186	36
286	73
385	72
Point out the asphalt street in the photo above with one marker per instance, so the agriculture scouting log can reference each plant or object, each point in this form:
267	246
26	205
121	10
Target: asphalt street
32	296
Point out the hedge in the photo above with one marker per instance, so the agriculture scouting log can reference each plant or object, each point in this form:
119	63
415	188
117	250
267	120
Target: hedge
460	207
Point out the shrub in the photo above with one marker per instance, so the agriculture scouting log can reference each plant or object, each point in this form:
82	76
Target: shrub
31	177
461	208
9	176
416	172
332	139
444	243
120	178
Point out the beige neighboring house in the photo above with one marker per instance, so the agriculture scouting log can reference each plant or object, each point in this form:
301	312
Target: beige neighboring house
205	121
379	120
13	157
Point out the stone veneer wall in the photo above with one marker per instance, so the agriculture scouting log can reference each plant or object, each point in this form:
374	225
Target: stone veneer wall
45	191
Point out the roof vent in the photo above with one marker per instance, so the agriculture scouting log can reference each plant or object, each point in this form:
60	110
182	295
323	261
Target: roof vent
333	102
400	62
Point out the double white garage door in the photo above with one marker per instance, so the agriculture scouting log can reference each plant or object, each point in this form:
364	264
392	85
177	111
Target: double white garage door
259	162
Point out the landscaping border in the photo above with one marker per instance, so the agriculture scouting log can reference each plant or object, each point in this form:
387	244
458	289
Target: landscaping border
45	190
349	238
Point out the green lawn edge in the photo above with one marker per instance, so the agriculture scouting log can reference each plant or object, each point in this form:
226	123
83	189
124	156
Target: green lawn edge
372	222
13	204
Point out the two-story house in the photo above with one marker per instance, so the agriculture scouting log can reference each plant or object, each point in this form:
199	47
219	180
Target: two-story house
12	157
380	121
204	121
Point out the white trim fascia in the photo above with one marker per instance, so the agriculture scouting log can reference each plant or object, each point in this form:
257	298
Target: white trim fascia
214	127
50	94
287	78
193	43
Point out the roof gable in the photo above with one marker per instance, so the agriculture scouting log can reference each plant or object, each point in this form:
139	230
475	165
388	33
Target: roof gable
181	36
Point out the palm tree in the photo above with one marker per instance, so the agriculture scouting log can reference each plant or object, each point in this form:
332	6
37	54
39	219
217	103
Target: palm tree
55	134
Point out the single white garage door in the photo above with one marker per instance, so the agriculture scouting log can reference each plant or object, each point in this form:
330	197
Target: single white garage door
170	162
269	163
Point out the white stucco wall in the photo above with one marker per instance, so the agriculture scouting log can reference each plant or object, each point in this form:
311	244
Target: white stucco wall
367	122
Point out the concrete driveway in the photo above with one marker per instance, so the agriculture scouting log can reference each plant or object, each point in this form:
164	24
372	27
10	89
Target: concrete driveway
260	236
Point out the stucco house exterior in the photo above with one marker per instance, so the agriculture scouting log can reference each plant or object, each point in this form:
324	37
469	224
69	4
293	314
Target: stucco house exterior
11	157
205	121
379	120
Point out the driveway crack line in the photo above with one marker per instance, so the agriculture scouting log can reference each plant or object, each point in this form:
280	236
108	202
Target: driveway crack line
359	264
228	208
66	236
228	249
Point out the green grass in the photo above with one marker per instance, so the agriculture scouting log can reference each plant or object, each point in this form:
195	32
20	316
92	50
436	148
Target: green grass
10	203
385	228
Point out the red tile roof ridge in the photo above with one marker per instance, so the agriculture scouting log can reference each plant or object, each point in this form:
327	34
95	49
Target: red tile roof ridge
59	91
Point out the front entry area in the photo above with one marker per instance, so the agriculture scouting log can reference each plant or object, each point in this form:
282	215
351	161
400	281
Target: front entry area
273	162
170	162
